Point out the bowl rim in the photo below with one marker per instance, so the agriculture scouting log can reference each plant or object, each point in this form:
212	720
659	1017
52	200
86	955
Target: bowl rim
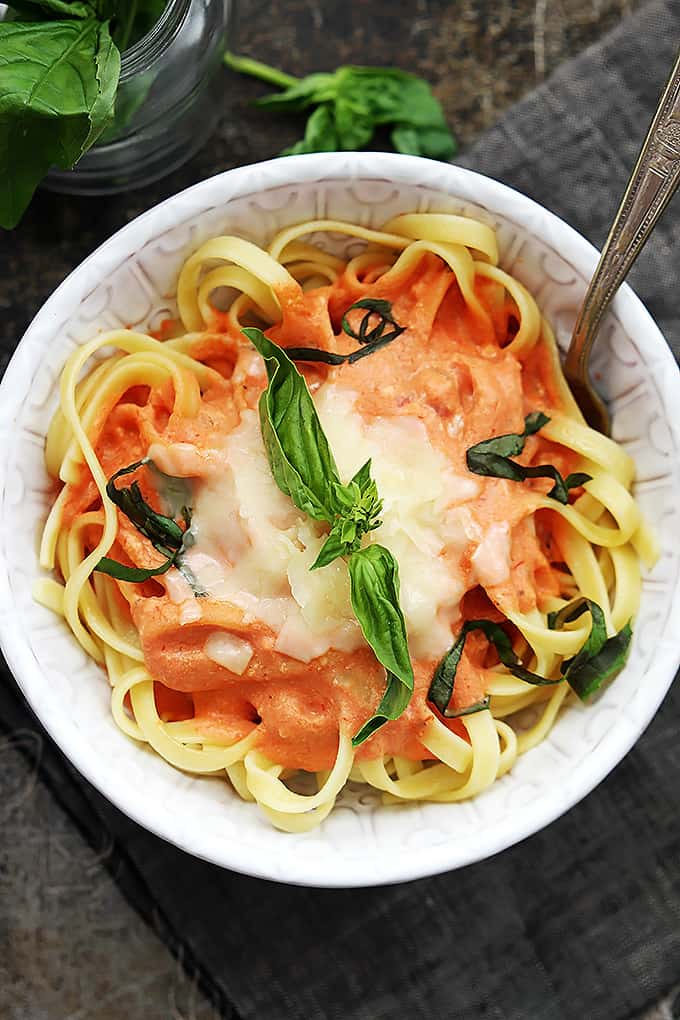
304	169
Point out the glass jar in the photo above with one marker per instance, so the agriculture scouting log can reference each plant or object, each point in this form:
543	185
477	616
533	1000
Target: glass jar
169	101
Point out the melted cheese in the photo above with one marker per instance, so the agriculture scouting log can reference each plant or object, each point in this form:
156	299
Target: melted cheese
253	547
229	651
491	558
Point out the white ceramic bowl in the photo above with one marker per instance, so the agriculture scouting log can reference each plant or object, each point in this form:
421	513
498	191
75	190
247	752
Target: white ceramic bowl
128	281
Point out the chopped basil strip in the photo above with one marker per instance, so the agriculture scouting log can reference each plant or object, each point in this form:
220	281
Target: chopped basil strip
374	590
304	469
600	657
441	687
478	706
492	456
163	532
134	574
371	338
379	333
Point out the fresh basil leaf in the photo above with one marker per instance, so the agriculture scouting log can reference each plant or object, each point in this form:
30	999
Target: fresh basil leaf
406	139
333	547
432	142
491	458
315	88
363	478
107	71
175	493
187	573
301	461
57	82
299	456
320	134
354	125
511	444
393	703
444	678
599	658
316	354
354	101
374	591
57	8
130	97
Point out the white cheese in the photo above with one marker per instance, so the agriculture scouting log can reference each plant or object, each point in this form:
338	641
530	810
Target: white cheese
229	651
491	558
181	460
254	548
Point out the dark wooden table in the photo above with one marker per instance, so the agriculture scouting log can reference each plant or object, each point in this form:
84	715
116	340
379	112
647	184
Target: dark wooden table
72	948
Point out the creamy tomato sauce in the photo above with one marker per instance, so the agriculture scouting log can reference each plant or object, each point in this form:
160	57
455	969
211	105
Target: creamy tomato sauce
271	642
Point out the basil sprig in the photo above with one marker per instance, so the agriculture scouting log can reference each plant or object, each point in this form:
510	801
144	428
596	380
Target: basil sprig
598	659
492	456
163	532
371	335
359	506
350	104
301	460
304	469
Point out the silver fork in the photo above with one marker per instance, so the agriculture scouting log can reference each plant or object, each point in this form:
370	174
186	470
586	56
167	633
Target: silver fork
652	183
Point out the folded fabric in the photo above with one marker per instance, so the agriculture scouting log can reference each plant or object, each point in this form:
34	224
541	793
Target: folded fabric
581	920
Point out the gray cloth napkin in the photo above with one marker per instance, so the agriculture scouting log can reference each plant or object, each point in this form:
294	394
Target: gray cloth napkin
580	922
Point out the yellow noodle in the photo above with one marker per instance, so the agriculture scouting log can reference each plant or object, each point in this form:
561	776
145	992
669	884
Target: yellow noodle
601	537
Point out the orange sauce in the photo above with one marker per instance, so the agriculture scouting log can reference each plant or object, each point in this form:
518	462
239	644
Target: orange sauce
452	370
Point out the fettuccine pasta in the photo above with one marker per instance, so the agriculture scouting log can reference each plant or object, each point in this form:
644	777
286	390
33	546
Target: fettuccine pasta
192	580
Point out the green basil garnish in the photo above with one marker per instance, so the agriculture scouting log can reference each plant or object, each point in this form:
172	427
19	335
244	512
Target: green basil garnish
353	102
492	456
478	706
299	456
374	588
379	333
599	659
163	532
301	460
371	335
134	574
441	687
304	469
360	506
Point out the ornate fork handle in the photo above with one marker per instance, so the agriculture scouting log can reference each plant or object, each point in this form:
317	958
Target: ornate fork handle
654	179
